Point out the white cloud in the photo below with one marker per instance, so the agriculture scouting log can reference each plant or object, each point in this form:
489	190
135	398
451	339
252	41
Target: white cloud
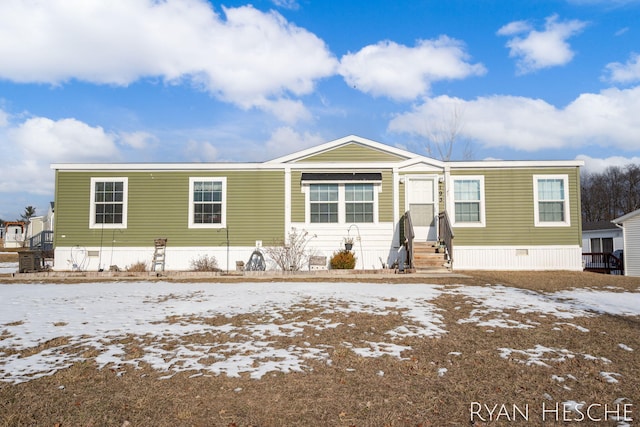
285	140
287	110
66	140
4	119
608	119
249	58
401	72
541	49
621	31
624	73
138	140
595	165
201	151
38	142
287	4
515	27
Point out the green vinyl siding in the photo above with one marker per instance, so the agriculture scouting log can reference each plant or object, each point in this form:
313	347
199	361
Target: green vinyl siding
509	210
353	153
158	205
385	198
297	197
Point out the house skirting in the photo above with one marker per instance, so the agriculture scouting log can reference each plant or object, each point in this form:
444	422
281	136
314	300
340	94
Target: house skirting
179	258
517	258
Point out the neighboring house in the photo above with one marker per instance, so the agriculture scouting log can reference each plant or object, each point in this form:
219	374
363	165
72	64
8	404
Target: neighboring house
503	214
39	233
601	237
630	224
14	233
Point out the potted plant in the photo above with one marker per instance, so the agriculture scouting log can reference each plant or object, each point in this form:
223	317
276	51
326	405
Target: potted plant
348	243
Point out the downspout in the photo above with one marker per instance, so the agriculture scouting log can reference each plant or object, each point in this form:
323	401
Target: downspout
624	247
447	180
396	205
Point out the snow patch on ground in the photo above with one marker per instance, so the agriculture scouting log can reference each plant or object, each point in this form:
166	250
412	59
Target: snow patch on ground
8	267
610	377
545	356
73	320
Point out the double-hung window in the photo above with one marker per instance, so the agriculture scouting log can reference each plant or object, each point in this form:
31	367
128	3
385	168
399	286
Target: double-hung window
207	202
468	201
358	202
108	203
551	204
323	203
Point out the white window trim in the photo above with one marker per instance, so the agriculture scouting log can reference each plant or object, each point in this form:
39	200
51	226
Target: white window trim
536	205
452	204
125	203
192	181
306	189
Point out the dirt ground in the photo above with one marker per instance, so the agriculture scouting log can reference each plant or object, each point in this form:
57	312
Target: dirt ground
351	391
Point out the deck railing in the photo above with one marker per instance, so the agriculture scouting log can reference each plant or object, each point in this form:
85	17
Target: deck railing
602	262
42	241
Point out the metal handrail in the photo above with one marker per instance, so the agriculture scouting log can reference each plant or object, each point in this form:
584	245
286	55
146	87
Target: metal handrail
445	231
409	235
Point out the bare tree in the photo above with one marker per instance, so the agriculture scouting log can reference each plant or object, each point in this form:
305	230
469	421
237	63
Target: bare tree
290	254
610	194
632	202
443	135
591	212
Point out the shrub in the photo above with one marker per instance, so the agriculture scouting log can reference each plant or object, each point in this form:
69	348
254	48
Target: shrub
343	260
291	254
138	267
204	263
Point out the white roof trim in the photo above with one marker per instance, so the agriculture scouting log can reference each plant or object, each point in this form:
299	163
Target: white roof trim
221	166
161	166
311	165
626	217
484	164
421	159
342	141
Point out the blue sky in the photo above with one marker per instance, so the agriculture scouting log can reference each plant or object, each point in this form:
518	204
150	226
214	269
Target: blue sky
193	80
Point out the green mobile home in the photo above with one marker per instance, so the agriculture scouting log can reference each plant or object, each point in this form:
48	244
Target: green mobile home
490	214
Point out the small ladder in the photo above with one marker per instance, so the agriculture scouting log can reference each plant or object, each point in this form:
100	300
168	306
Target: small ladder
159	254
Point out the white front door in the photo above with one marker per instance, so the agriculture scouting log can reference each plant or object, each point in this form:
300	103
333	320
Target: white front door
421	203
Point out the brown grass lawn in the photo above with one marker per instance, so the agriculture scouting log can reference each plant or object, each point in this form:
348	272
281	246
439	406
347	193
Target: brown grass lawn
8	256
360	391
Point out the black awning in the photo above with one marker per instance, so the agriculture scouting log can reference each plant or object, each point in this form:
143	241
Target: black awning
342	176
